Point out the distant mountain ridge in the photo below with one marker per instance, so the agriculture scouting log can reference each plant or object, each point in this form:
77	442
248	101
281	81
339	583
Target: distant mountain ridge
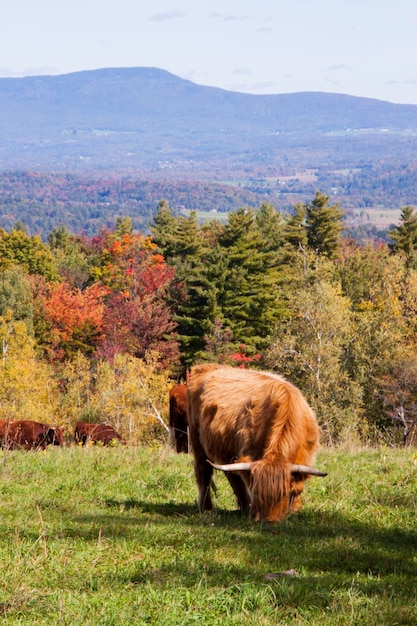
144	117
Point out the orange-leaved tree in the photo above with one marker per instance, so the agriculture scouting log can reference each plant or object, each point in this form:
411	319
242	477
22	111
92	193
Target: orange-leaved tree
74	318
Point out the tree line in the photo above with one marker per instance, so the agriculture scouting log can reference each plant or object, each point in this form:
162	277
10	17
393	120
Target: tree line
98	328
87	203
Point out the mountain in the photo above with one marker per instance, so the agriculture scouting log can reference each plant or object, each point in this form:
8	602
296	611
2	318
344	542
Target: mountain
147	119
81	149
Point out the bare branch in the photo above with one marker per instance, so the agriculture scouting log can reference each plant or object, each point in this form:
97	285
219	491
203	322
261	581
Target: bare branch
155	413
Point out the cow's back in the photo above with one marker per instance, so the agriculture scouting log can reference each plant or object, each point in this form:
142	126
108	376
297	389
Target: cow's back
96	433
26	434
241	412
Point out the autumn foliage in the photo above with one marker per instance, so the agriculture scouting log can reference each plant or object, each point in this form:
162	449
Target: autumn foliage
123	309
75	318
90	319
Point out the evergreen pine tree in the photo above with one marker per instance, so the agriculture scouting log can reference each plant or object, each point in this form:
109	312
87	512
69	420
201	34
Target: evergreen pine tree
194	312
163	229
192	297
324	225
248	296
404	236
295	227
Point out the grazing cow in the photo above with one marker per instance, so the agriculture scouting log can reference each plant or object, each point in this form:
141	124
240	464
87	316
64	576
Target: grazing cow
29	435
258	428
96	433
178	426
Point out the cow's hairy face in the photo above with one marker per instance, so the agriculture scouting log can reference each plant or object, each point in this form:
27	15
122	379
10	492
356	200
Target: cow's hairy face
274	492
297	486
274	513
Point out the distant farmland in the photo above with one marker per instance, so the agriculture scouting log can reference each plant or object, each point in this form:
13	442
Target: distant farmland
381	218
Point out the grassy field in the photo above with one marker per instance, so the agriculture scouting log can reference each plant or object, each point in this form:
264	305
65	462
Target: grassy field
112	537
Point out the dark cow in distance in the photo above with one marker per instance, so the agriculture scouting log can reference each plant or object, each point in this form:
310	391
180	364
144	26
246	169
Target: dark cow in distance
178	425
96	433
29	435
256	427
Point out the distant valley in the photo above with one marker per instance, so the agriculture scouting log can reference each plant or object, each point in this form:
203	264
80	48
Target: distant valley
147	127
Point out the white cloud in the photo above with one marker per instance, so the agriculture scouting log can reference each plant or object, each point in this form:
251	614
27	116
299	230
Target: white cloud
229	17
168	15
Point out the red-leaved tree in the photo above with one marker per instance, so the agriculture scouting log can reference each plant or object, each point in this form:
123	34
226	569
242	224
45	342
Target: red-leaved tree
137	318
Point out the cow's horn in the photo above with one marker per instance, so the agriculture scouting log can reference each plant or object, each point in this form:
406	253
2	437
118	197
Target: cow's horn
305	469
232	467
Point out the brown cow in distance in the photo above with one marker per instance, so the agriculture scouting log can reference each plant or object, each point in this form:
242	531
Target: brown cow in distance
178	425
96	433
29	435
258	428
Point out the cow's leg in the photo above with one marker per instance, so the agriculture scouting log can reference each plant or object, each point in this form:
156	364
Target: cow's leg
182	436
203	473
240	491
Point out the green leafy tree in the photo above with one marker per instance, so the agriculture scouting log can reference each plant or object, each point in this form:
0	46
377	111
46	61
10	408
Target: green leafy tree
310	350
74	257
379	329
163	229
35	257
124	226
16	296
271	226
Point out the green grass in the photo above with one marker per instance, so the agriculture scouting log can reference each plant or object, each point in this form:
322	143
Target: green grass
112	536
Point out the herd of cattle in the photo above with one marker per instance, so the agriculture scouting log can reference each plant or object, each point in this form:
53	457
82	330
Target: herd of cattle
30	435
254	426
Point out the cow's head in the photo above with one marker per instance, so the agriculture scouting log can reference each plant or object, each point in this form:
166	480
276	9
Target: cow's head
274	488
55	436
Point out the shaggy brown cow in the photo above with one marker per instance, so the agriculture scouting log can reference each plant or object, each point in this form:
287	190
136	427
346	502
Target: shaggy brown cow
29	435
96	433
178	425
259	429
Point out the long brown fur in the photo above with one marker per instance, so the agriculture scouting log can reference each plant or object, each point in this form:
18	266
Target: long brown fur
102	433
247	415
178	424
27	434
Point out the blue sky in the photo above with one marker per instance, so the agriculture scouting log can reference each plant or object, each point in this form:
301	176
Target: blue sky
358	47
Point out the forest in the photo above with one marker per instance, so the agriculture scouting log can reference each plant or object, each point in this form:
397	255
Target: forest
97	328
43	201
85	203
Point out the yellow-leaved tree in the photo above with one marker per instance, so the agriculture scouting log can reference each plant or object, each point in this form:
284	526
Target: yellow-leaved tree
129	393
28	389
